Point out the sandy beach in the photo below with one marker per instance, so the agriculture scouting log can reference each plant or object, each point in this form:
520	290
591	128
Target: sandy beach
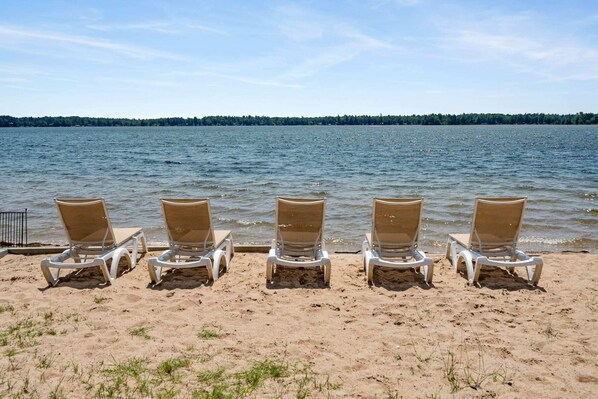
238	337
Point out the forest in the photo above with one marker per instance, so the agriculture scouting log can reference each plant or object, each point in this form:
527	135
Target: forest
579	118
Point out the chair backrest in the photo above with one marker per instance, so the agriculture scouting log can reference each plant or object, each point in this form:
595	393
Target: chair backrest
496	223
86	222
300	226
395	224
188	222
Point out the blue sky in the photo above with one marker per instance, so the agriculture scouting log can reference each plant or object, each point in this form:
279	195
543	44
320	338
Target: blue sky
158	58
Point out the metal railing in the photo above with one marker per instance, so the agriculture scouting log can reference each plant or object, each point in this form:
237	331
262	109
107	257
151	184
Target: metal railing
13	229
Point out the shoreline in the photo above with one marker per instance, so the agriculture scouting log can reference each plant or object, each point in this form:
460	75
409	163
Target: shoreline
45	248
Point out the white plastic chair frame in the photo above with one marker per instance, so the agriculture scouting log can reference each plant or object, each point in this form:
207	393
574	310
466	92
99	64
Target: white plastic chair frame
209	253
476	253
93	253
397	255
290	253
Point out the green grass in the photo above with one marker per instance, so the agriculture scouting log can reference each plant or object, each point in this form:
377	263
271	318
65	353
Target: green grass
45	361
6	308
99	299
207	333
24	333
262	370
278	376
211	376
170	366
125	378
171	378
140	332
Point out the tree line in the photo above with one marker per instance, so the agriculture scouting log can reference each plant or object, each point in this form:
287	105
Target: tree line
579	118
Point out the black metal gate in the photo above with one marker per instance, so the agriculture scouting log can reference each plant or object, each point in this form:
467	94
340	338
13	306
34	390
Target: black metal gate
13	229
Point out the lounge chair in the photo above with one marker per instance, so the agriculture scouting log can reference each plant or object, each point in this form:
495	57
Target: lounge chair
493	240
299	238
393	241
92	240
192	239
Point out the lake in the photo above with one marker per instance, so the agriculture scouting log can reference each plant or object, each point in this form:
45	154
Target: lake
243	169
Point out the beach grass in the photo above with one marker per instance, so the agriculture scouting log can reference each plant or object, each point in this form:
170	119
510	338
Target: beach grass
142	332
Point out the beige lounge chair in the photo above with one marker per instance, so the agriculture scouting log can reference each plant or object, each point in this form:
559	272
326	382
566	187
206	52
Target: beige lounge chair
493	240
299	238
192	239
393	241
92	240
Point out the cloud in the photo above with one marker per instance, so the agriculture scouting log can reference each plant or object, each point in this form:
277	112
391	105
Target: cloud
400	3
325	40
242	79
168	27
520	42
408	3
313	65
13	80
157	26
45	38
366	42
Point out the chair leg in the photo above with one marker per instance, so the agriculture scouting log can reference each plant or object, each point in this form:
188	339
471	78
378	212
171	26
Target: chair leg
119	253
477	270
136	243
51	274
269	270
229	252
107	274
143	243
454	257
327	274
534	277
429	273
155	273
472	274
214	267
370	272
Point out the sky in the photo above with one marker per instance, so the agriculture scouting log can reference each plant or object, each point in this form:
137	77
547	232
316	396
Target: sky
158	58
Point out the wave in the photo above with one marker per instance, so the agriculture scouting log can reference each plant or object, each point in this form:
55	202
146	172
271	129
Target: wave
575	241
244	223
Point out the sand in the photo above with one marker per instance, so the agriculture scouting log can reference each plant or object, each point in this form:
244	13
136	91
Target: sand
398	338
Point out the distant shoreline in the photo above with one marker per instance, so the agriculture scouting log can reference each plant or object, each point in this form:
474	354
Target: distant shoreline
579	118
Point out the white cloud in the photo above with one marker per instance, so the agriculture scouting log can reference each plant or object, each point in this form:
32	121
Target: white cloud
154	26
408	2
326	41
168	27
314	64
520	42
242	79
366	42
11	34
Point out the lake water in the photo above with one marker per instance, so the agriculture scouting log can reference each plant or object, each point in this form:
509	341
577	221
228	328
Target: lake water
242	169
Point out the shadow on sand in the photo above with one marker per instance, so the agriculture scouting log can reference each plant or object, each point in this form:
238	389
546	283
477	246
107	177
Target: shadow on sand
496	278
399	279
185	279
286	277
91	277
